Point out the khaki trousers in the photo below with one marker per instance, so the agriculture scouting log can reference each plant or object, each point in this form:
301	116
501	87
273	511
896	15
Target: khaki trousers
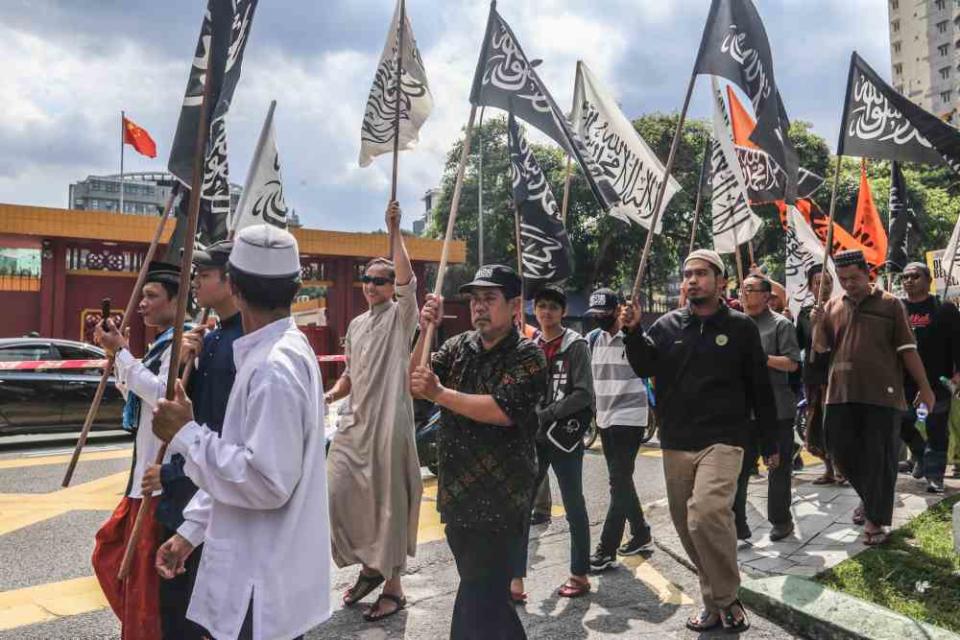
701	486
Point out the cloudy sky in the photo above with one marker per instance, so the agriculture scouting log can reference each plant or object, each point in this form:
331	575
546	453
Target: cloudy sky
71	66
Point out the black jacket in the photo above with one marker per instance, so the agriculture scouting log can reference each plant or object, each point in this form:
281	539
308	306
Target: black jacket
711	377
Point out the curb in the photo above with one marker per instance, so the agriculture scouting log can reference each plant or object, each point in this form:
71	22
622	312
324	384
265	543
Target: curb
814	611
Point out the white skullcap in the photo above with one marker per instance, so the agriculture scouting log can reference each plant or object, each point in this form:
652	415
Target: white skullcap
266	251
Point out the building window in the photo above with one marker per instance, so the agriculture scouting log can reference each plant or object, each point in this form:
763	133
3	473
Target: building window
940	4
943	49
944	73
945	96
942	26
897	69
895	4
896	47
895	26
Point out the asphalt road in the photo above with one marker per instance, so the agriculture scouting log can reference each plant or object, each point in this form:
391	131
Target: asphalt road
47	590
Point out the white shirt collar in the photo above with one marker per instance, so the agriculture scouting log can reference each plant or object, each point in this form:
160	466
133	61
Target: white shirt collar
242	347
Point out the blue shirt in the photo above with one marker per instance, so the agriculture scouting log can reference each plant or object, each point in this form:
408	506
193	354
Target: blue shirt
209	389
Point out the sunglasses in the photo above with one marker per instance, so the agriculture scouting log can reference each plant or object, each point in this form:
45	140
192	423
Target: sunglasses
375	280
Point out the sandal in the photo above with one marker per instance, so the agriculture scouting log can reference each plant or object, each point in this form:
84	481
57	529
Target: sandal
400	601
733	624
859	517
363	587
518	597
704	621
574	588
876	538
825	479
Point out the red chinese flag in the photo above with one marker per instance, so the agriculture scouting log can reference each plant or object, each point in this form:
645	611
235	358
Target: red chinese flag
867	227
137	137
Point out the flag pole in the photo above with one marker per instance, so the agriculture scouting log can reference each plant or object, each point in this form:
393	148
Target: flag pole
398	93
480	190
451	221
123	117
127	315
186	260
699	201
753	260
566	191
519	241
638	281
828	247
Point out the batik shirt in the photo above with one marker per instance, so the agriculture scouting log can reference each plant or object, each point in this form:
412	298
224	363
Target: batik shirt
487	471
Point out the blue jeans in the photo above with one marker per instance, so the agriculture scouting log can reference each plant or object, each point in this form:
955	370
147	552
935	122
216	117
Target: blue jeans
568	467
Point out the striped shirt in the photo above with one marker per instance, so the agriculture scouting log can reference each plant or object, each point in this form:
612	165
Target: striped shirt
621	396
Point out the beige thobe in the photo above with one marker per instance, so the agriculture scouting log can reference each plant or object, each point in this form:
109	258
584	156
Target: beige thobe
373	469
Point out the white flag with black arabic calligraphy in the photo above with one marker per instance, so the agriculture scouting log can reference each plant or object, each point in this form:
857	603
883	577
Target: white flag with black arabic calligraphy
262	199
734	222
379	120
626	162
804	250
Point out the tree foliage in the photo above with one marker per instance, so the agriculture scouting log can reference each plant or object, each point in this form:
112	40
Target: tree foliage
607	250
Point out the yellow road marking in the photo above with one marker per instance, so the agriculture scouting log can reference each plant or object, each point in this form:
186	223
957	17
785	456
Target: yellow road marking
30	605
19	463
666	591
18	510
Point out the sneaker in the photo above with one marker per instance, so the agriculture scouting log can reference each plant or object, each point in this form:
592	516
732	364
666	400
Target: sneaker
601	560
539	518
935	486
636	544
781	531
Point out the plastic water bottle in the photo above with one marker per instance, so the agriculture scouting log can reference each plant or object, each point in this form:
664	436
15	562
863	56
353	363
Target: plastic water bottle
922	412
948	383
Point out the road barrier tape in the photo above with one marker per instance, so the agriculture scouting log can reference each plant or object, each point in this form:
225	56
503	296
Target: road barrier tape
50	365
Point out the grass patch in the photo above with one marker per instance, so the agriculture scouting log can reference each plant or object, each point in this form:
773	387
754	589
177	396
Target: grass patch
917	573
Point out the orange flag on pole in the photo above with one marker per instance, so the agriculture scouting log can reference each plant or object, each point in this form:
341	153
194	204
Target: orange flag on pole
137	137
868	229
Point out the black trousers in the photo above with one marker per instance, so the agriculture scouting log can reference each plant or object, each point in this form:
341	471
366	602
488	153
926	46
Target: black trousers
932	452
246	631
863	440
483	610
620	447
778	480
175	597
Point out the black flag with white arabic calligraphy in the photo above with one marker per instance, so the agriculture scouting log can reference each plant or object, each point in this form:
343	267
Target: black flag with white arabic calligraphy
901	222
223	38
735	47
506	79
878	122
546	247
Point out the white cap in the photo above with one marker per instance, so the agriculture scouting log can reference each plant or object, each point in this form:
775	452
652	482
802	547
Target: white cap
266	251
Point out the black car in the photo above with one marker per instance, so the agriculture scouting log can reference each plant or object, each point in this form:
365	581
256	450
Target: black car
33	401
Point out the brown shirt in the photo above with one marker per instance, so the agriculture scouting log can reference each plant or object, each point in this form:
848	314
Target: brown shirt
866	340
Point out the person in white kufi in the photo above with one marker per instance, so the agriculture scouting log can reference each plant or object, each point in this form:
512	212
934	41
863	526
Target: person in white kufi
261	509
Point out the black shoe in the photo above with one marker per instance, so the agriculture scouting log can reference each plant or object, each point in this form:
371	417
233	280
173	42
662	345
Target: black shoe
935	486
601	560
637	544
906	466
781	531
798	464
539	518
918	470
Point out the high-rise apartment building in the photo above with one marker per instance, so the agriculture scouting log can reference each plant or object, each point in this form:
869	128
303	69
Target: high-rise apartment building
925	54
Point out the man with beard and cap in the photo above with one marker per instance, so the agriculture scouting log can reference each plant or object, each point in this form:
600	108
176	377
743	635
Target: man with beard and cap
870	342
711	374
209	387
488	383
261	508
621	414
142	383
936	326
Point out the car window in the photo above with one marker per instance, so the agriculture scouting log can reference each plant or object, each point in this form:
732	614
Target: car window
18	352
72	352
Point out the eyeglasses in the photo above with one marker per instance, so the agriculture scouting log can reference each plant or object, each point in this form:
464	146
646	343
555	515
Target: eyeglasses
375	280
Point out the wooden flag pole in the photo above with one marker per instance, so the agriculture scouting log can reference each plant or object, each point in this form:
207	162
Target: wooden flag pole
451	221
753	261
127	315
566	191
186	260
638	281
396	122
699	201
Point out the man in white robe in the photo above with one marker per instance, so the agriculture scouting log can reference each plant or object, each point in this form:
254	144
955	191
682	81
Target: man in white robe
261	508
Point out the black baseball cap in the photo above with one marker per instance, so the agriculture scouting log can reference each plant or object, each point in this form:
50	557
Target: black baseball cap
498	276
216	255
553	292
604	301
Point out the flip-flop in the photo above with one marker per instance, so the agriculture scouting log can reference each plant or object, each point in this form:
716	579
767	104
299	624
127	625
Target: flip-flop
363	587
701	622
825	480
399	601
573	589
859	517
730	623
876	538
518	598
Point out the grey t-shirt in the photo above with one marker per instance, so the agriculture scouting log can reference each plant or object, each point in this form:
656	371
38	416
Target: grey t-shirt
779	338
